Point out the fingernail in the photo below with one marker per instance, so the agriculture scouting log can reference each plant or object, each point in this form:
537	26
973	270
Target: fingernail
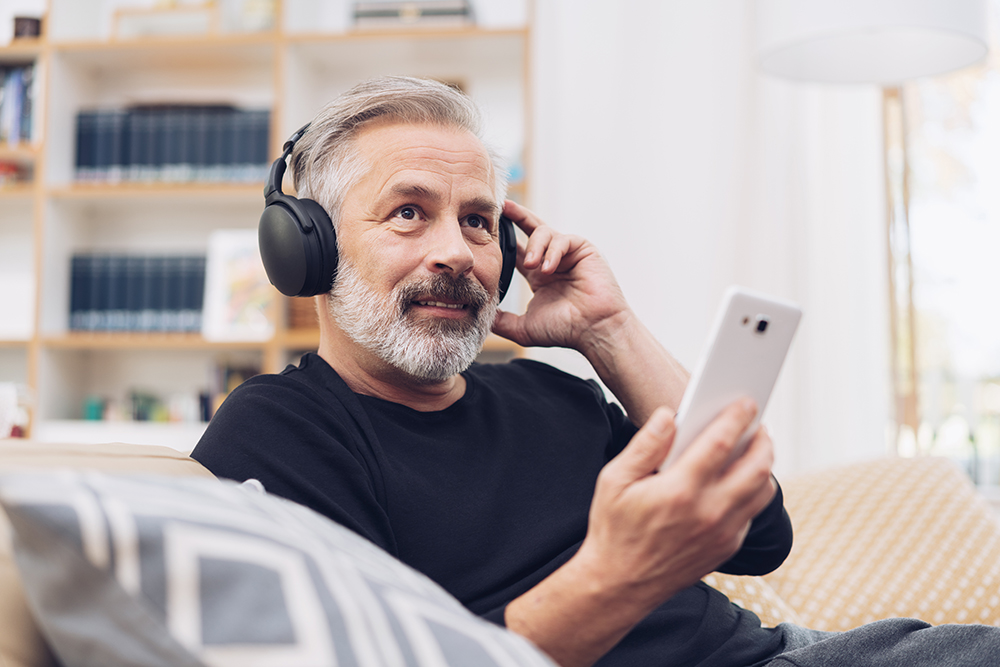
660	421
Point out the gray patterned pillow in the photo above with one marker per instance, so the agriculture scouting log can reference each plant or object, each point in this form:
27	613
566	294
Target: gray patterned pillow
142	570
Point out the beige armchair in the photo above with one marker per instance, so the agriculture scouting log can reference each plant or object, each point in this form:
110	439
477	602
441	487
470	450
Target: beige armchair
881	539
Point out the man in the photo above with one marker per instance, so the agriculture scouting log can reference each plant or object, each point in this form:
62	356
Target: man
517	487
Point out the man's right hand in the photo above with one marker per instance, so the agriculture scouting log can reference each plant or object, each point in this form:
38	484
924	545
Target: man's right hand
650	535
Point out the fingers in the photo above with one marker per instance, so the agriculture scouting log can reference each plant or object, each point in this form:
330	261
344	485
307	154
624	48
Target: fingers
708	455
545	247
647	449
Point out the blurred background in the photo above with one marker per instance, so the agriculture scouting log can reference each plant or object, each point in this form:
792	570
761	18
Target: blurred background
136	134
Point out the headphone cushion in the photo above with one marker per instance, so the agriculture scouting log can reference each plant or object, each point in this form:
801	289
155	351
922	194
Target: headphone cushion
297	245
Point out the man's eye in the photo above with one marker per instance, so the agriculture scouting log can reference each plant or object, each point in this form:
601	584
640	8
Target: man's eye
476	222
407	213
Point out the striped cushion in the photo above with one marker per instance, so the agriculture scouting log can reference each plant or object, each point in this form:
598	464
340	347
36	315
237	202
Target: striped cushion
127	570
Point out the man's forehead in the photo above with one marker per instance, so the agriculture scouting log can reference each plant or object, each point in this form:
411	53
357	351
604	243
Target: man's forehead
401	156
401	142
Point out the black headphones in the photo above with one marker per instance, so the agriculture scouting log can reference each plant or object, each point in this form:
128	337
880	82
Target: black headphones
299	246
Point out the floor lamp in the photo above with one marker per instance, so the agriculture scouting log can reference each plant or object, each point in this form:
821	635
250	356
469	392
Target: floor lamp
884	43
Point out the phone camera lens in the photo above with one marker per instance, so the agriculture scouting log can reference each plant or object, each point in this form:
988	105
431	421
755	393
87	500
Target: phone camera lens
761	325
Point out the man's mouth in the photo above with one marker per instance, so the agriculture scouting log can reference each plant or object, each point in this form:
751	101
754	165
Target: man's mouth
442	304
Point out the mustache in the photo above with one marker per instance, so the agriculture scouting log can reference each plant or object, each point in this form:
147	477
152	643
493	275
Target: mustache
444	288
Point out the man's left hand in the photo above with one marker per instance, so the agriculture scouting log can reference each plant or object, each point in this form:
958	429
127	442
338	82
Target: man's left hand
576	299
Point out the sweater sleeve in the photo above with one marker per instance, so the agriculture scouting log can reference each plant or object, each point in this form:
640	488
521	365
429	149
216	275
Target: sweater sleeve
767	544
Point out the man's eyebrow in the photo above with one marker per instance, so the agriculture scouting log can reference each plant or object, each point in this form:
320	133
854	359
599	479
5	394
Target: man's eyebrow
415	191
483	205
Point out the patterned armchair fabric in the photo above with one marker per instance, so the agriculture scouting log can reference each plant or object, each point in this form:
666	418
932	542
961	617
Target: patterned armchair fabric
881	539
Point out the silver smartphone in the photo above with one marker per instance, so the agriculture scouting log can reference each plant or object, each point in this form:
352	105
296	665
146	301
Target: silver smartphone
745	352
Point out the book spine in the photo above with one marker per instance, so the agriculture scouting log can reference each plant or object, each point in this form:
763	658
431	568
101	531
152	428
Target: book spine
85	121
103	144
27	102
135	288
79	292
99	291
152	291
172	293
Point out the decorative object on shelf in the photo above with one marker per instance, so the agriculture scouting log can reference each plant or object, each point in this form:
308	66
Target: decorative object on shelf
15	403
27	27
124	292
167	19
173	143
257	15
238	296
16	102
422	13
886	43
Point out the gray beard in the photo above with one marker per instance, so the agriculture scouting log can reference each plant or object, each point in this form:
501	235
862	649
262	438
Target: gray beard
427	350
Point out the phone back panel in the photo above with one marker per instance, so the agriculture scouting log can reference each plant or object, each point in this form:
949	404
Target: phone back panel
740	360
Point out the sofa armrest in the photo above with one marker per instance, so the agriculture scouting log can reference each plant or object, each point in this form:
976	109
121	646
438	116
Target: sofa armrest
21	643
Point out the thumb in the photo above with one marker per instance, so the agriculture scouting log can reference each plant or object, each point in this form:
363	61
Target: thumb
647	449
507	325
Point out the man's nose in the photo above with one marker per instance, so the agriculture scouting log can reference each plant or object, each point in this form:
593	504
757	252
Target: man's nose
449	250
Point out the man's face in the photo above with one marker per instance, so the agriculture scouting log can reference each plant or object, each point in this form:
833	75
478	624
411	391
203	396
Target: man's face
420	261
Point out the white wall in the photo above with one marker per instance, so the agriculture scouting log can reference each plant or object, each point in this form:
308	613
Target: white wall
655	138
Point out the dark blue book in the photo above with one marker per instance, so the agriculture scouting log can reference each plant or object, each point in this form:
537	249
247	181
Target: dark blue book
261	149
172	293
116	314
192	291
106	127
140	121
200	141
135	290
86	152
99	292
152	302
79	291
119	154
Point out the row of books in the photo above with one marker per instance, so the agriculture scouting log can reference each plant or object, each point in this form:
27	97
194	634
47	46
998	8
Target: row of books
16	100
125	292
175	143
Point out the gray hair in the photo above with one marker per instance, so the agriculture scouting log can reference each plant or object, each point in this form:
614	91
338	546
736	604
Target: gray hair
324	164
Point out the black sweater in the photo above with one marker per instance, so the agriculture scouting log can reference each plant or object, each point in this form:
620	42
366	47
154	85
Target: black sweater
486	497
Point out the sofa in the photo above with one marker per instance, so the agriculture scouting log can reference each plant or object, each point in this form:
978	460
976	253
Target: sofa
129	554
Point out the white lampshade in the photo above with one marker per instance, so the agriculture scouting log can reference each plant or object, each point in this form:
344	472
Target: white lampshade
869	41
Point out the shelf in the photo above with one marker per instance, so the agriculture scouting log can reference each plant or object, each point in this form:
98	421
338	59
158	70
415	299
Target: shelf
21	51
180	436
300	339
13	343
19	153
16	190
227	50
439	32
101	340
90	192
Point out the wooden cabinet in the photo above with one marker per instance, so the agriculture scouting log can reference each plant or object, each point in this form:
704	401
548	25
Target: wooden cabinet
291	68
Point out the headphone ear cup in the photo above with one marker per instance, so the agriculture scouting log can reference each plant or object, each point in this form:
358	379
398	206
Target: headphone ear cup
298	246
508	250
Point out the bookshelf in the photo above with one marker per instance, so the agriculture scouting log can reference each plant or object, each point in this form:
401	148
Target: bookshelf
307	55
